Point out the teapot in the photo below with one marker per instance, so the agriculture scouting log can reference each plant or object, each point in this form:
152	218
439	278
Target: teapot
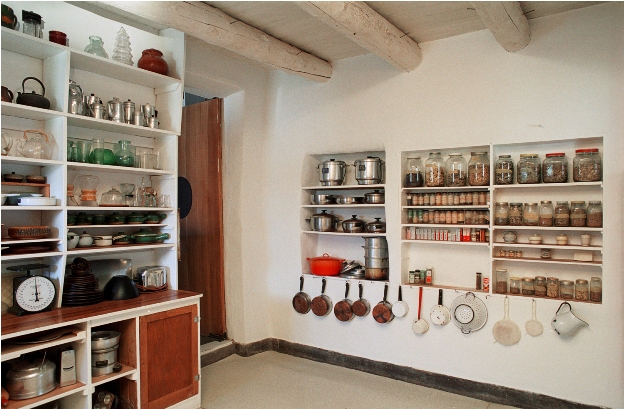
565	323
76	104
7	142
33	99
72	240
115	110
37	147
85	240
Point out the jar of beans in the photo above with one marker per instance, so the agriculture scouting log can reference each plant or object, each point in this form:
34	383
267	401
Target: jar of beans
566	289
562	214
595	289
540	286
434	170
546	213
578	215
594	214
582	290
529	168
528	286
501	214
501	281
555	168
479	169
504	170
587	166
413	172
515	214
530	214
515	285
456	170
552	287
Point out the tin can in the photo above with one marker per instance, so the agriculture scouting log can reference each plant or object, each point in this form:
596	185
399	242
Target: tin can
429	276
486	284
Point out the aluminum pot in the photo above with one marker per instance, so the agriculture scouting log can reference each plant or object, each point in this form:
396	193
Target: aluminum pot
101	340
353	225
31	378
376	227
370	262
104	357
322	199
375	197
348	200
323	221
375	252
332	172
378	242
369	171
376	273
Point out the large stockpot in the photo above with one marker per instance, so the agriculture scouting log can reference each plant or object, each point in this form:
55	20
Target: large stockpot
104	339
375	197
31	378
370	262
104	357
353	225
332	172
376	273
378	242
369	171
323	221
375	252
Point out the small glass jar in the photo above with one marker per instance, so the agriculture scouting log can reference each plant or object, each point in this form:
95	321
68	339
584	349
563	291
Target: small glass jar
528	286
434	170
479	169
566	289
555	168
595	289
540	286
501	214
501	281
578	215
529	168
552	287
562	214
504	170
515	214
587	166
456	170
515	285
582	290
545	253
546	213
460	217
468	217
594	214
530	214
413	172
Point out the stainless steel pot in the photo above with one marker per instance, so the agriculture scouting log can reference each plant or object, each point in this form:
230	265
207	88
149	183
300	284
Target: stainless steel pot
375	197
332	172
378	242
376	227
369	171
347	200
104	357
370	262
376	273
322	199
106	369
353	225
323	221
101	340
375	252
31	378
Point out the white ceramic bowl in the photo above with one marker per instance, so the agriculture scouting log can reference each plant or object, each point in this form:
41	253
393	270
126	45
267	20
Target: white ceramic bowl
36	201
103	241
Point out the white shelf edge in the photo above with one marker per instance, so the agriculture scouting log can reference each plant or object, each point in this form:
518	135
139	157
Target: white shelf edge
18	160
334	206
461	243
112	226
345	187
128	372
8	240
52	208
116	169
547	185
445	189
570	262
10	257
553	228
117	209
28	112
81	121
454	207
546	246
338	278
115	249
338	233
35	347
457	226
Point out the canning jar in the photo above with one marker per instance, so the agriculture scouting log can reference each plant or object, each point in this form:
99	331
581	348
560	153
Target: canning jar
504	174
582	290
528	286
479	169
515	214
530	214
562	214
540	286
578	215
434	170
456	169
546	213
594	214
566	289
587	166
529	168
501	281
501	214
413	172
555	168
595	289
552	287
515	285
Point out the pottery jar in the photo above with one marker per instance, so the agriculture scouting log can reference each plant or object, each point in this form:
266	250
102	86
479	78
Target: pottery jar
115	218
72	240
85	240
152	60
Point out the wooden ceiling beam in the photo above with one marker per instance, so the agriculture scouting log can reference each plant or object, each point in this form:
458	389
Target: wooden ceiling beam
506	21
217	28
369	29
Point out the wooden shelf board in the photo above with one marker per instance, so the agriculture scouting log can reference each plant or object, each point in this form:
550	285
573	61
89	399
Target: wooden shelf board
544	298
553	228
445	189
345	187
11	351
547	246
13	40
338	233
25	184
116	169
125	371
10	257
461	243
553	260
26	241
445	287
112	226
116	127
121	248
547	185
18	160
431	225
48	397
453	207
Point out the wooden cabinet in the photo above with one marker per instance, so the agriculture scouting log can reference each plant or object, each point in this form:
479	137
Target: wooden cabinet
169	365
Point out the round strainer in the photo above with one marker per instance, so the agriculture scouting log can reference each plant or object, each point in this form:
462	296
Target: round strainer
468	313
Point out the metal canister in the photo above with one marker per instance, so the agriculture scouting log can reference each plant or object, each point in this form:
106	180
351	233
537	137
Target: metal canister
369	171
98	111
138	118
128	108
153	122
332	172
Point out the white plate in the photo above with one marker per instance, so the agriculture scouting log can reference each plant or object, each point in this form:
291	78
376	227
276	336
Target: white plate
36	201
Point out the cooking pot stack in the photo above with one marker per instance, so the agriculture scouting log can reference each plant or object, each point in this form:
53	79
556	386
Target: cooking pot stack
104	345
376	258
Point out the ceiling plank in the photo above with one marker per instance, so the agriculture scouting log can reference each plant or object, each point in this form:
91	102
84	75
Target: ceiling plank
369	29
217	28
506	21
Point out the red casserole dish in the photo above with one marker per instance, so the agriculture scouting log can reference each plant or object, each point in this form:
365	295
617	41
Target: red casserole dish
325	265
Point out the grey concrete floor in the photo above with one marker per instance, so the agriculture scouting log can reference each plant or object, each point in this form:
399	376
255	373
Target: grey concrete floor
277	381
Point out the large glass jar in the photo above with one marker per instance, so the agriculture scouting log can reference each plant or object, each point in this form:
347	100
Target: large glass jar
515	285
594	214
124	154
530	215
504	174
555	168
546	213
479	169
566	289
456	170
595	289
587	166
501	214
552	287
414	172
434	170
529	168
515	214
578	215
582	290
562	214
501	281
528	286
540	286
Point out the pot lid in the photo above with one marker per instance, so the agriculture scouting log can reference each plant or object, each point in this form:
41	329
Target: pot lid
34	365
145	233
377	222
337	162
326	257
370	159
324	214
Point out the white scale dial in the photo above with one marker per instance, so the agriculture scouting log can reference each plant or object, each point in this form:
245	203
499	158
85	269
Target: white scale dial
35	293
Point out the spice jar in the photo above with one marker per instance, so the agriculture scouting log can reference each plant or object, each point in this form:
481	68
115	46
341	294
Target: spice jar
529	168
587	166
528	286
456	169
515	285
545	253
515	214
566	289
594	214
540	286
479	169
501	214
530	214
595	289
582	290
546	213
562	214
501	281
578	215
504	170
552	287
413	172
555	168
434	170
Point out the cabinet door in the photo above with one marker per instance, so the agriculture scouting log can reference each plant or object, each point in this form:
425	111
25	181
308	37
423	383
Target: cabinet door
169	357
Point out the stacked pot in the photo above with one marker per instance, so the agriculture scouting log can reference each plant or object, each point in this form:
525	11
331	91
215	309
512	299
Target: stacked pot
104	345
376	258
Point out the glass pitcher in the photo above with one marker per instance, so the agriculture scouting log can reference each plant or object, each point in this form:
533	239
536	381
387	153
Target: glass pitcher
96	47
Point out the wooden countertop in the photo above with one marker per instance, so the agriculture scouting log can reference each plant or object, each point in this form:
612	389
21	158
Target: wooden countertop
12	324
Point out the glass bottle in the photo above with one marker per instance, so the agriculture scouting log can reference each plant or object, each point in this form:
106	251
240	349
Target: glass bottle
504	170
515	285
552	287
124	155
566	289
578	215
515	214
540	286
456	169
546	213
479	169
501	281
555	168
587	166
96	47
501	214
595	289
529	168
413	172
581	292
530	214
594	214
434	170
562	214
528	286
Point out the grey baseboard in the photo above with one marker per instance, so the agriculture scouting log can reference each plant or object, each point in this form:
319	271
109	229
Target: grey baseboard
465	387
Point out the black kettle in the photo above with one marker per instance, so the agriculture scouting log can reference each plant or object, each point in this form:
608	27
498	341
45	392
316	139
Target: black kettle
33	99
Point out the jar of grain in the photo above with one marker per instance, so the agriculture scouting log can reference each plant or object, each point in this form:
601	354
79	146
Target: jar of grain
479	169
552	287
555	168
515	285
438	199
425	200
501	281
528	286
529	168
456	170
594	214
540	286
578	216
515	214
530	214
546	213
582	290
566	289
434	170
587	166
595	289
413	172
460	217
562	214
504	170
501	214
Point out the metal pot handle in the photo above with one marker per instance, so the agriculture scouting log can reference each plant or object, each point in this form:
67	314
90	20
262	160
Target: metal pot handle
36	79
361	290
323	287
347	290
385	293
301	284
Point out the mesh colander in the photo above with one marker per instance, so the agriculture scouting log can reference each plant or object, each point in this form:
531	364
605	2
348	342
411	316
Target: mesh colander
468	313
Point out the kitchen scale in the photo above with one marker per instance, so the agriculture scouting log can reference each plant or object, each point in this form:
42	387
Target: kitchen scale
31	294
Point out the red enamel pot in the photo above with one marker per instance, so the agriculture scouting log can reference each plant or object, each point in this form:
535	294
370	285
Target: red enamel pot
325	265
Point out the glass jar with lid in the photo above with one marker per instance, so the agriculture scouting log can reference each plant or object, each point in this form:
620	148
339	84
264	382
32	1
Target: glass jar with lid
479	169
515	214
413	172
562	214
552	287
594	214
528	286
456	170
529	168
113	198
587	166
540	286
546	213
501	214
582	290
555	168
434	170
595	289
578	215
515	285
530	214
501	281
504	174
566	289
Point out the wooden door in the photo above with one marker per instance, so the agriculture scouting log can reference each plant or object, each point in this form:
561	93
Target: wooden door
169	354
201	232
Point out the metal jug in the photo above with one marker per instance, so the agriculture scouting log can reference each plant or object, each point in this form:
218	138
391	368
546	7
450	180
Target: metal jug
115	110
128	107
88	102
76	103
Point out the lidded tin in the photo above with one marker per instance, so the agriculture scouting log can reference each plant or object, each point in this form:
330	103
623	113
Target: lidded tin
369	171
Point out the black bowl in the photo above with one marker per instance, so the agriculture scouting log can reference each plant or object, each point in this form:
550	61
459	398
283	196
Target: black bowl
120	287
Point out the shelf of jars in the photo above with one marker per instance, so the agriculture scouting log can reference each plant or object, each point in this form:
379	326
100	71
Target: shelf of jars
119	209
548	229
444	189
446	287
18	160
453	207
445	242
85	167
555	261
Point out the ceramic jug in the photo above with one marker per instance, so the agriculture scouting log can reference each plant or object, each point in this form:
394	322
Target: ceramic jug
565	322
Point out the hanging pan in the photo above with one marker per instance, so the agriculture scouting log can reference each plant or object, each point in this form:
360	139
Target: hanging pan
420	325
440	315
322	304
469	313
382	312
361	307
506	331
343	309
400	308
301	301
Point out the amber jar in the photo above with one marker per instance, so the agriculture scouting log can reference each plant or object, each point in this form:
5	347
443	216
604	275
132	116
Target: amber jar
151	60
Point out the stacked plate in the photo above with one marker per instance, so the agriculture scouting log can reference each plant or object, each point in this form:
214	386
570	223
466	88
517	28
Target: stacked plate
81	287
